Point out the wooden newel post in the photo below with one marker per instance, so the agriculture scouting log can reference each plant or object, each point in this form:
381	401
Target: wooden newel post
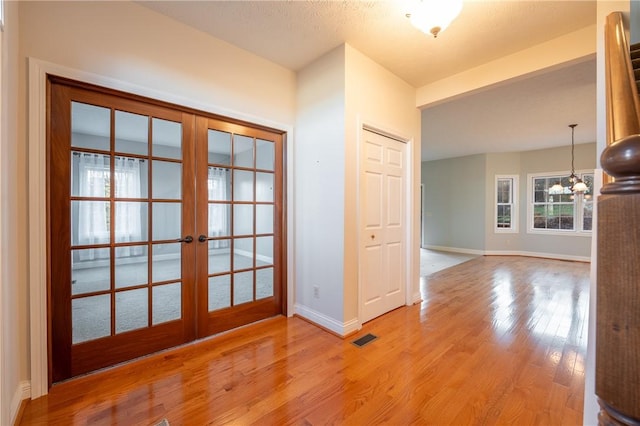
618	294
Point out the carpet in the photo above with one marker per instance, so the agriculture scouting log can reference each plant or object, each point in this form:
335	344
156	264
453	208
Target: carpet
91	316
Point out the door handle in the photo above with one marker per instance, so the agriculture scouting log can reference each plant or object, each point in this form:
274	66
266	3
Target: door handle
202	238
186	239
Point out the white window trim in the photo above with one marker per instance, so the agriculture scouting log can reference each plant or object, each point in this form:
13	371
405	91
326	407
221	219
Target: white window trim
564	232
514	205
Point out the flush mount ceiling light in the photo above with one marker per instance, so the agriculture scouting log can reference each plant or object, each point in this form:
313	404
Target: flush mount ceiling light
434	16
577	185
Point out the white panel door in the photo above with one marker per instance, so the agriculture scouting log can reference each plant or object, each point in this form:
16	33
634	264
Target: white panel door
382	224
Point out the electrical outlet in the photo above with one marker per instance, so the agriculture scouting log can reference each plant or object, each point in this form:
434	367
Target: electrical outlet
316	291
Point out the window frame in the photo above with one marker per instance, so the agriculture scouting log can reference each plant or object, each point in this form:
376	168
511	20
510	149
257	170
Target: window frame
578	205
513	229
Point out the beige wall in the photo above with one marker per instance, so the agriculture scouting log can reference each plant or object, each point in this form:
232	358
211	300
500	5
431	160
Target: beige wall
129	42
14	368
559	52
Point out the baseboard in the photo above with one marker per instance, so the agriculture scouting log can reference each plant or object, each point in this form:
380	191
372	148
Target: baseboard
417	298
555	256
20	397
455	250
338	328
261	257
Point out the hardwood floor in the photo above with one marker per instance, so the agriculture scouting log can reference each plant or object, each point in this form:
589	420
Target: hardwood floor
496	340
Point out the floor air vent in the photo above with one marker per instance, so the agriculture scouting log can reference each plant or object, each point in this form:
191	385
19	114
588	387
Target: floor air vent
364	340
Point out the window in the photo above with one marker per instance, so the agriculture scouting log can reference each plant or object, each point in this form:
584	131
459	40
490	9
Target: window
506	214
563	212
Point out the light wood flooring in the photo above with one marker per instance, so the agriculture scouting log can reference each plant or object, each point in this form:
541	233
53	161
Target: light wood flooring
496	340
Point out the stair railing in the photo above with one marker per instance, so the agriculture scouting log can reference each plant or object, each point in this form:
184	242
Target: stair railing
618	267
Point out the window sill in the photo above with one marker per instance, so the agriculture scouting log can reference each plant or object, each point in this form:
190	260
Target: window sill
560	233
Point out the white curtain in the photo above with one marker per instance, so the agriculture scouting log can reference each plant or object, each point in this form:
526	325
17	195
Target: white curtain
127	216
218	220
94	216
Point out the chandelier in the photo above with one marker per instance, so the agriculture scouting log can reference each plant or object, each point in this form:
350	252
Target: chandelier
577	185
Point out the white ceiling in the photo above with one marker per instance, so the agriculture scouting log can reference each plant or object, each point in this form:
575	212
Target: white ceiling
525	114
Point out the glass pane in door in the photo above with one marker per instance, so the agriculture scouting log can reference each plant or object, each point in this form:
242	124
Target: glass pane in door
166	218
219	147
242	287
264	283
219	292
243	219
131	266
132	309
264	219
130	221
90	270
167	139
167	262
265	155
167	180
242	151
90	318
132	133
90	175
131	178
90	126
167	302
90	222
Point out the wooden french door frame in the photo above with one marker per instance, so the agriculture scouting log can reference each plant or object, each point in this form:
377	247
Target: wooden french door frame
235	316
88	356
182	330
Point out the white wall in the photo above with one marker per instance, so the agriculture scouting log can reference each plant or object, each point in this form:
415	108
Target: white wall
320	188
13	303
337	94
147	53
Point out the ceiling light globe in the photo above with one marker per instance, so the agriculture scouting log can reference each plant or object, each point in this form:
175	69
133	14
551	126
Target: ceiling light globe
434	16
580	186
556	189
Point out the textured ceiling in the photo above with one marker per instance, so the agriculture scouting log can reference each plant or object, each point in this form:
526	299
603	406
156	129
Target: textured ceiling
294	33
531	114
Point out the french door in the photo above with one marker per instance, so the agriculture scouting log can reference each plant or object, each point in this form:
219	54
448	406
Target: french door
166	225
